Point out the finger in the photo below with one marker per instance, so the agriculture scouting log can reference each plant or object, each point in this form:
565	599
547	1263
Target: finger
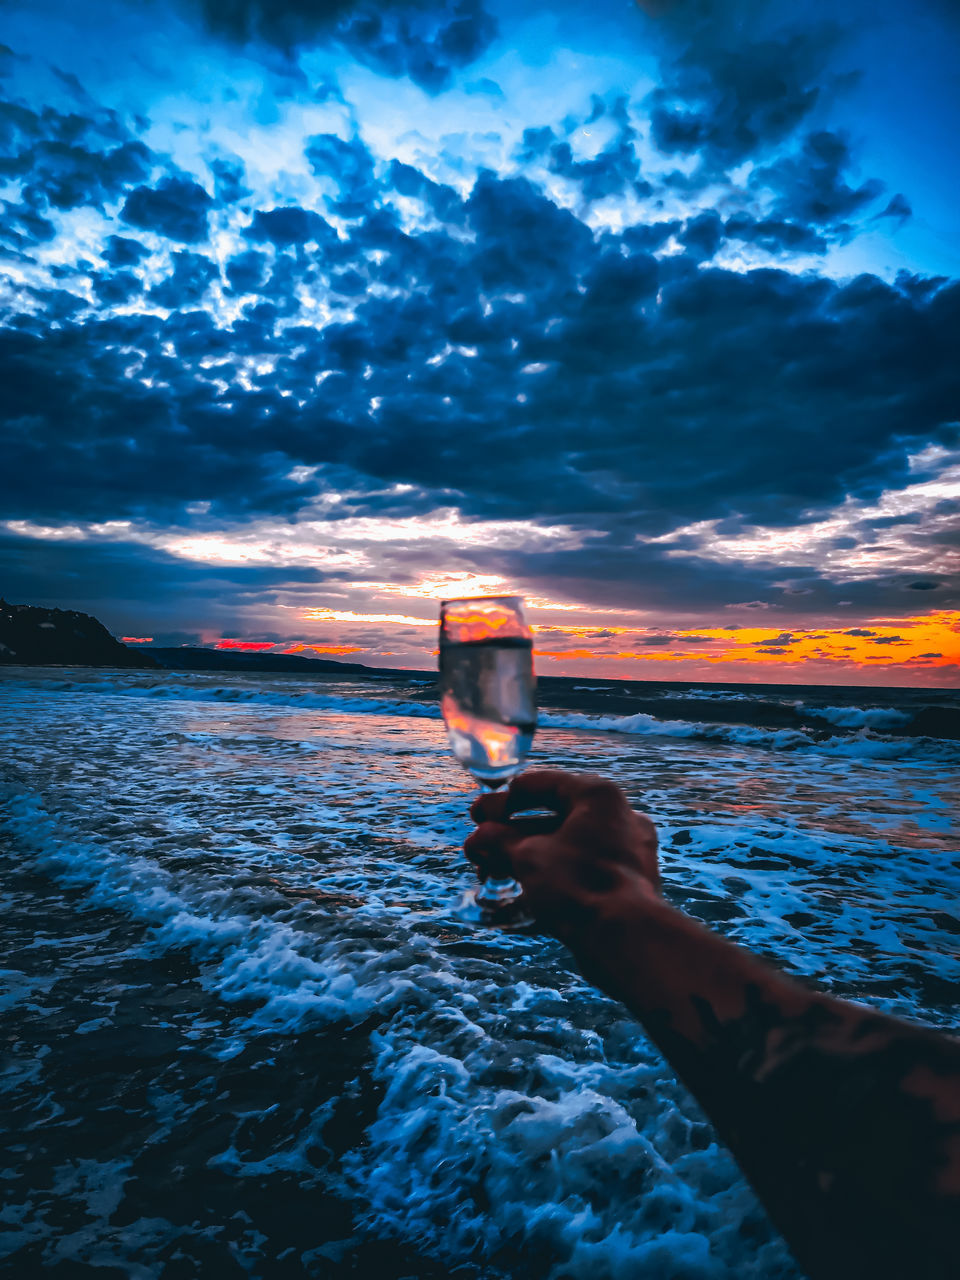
493	807
489	807
553	789
488	840
540	824
488	848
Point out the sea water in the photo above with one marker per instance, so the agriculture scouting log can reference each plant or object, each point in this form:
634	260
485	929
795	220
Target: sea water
247	1035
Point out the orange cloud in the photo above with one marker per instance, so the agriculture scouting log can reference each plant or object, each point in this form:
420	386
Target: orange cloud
563	654
136	639
322	648
247	646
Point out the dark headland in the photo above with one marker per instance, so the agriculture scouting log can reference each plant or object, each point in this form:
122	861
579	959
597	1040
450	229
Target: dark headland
32	636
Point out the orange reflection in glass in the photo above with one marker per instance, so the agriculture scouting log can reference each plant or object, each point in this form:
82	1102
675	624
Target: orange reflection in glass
465	731
474	620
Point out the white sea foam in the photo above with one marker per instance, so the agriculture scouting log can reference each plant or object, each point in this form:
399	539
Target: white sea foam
441	1162
857	717
454	1162
864	744
716	695
244	957
245	695
305	857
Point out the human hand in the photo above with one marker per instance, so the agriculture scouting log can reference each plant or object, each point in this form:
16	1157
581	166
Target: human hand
599	850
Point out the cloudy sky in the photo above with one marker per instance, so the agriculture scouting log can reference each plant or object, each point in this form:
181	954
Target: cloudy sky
315	311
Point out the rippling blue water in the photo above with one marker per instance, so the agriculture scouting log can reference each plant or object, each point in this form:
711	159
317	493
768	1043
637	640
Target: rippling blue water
246	1033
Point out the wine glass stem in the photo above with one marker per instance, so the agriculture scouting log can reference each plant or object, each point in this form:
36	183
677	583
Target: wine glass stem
497	891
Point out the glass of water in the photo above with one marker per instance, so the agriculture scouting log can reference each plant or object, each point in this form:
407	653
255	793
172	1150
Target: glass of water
487	688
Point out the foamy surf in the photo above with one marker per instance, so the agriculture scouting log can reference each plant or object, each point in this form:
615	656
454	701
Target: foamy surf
863	741
238	917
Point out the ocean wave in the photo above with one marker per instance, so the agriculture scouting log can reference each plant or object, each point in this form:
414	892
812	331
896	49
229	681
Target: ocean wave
239	694
862	743
857	717
245	956
498	1121
712	695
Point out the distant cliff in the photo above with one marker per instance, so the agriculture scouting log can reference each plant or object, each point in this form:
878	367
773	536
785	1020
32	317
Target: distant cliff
60	637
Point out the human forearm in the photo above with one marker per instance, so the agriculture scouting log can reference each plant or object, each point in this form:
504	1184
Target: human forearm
845	1121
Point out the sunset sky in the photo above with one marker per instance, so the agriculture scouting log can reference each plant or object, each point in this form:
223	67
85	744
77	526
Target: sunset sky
317	311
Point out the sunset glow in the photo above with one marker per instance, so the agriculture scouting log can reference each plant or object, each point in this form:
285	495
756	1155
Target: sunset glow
245	646
928	644
328	650
918	650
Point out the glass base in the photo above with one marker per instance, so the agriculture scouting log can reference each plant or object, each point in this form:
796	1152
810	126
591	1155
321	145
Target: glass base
497	904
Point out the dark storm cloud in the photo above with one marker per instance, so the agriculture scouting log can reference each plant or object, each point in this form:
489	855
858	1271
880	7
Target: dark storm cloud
721	399
613	171
648	578
246	272
774	234
898	207
408	38
703	235
349	166
187	282
509	211
731	89
809	185
441	199
62	161
65	159
176	207
290	225
507	360
117	288
228	180
742	81
112	580
784	638
22	227
81	435
121	251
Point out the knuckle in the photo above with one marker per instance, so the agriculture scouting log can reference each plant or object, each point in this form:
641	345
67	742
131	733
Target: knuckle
645	827
487	833
521	860
482	840
596	788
